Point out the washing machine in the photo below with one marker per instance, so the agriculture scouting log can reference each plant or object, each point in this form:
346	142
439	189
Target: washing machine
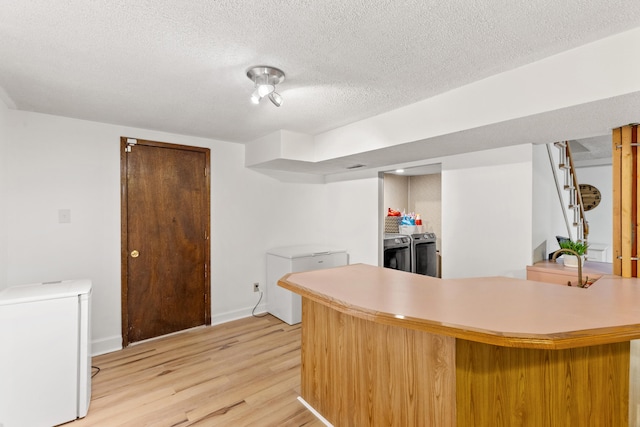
397	251
424	256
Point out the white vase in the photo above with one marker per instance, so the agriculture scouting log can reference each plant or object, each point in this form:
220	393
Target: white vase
571	260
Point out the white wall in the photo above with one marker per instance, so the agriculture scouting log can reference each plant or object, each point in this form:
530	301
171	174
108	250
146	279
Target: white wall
548	218
250	214
3	190
58	163
487	213
352	215
600	218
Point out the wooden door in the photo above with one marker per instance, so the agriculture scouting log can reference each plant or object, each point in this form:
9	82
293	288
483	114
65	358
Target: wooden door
165	243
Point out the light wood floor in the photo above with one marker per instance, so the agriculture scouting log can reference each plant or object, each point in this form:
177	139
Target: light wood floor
242	373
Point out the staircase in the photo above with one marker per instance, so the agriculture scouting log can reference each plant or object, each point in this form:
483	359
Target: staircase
571	185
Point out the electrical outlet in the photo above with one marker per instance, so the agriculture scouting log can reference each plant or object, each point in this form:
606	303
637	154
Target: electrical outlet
256	287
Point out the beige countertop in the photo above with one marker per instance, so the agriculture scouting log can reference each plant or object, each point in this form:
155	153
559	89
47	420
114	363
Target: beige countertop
589	268
495	310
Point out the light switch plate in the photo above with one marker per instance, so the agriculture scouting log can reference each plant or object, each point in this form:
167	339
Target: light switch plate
64	216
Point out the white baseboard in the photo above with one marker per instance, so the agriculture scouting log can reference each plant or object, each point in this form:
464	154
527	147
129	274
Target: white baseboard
314	412
217	319
114	343
106	345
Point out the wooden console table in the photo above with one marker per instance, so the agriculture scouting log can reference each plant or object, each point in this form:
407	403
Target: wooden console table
387	348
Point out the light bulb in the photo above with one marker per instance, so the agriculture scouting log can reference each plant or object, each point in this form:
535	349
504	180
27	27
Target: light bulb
255	97
265	90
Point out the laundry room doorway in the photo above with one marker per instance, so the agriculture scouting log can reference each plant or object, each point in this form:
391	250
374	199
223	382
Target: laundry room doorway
165	255
416	191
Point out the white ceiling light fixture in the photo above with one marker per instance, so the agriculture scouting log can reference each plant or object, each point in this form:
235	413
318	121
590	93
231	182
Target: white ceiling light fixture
265	80
276	98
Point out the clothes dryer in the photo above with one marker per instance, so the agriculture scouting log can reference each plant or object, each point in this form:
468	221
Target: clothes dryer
397	251
424	255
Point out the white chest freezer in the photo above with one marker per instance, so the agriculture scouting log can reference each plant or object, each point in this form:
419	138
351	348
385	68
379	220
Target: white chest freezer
281	302
45	355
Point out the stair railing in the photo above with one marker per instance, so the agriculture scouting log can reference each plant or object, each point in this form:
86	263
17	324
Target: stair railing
575	197
552	162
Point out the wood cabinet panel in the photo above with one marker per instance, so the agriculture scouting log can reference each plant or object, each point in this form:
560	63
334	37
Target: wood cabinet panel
357	372
501	386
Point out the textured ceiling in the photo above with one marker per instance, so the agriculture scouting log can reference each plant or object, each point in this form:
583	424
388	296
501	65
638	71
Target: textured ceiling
179	66
591	149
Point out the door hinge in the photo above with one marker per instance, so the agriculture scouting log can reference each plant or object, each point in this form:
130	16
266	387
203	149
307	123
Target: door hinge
205	272
206	172
130	143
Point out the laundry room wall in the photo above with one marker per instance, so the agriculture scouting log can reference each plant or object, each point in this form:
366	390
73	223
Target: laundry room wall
418	194
396	192
425	198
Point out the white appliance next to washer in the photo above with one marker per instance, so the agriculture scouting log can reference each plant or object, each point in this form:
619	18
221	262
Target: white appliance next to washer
282	303
45	353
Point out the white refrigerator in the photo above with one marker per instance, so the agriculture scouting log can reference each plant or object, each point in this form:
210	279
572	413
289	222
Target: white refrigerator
283	303
45	354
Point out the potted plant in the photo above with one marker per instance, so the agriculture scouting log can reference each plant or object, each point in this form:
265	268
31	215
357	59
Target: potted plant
580	248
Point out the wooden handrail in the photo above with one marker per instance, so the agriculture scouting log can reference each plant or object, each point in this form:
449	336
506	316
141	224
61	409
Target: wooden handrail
585	225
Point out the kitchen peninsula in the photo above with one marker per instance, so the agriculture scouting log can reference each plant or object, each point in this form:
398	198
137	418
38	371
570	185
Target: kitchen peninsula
384	347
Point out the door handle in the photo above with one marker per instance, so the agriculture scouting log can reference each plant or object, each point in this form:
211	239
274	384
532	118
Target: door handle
135	254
